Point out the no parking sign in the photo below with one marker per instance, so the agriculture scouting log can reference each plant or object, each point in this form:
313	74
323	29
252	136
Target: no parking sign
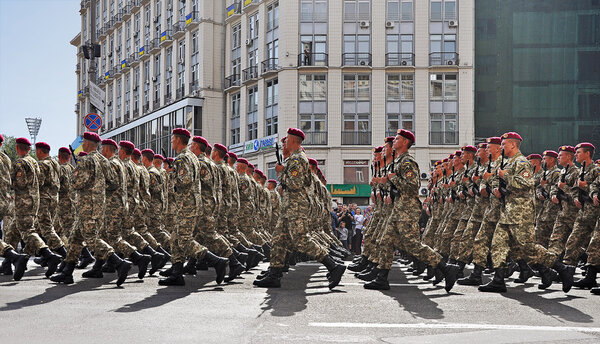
93	121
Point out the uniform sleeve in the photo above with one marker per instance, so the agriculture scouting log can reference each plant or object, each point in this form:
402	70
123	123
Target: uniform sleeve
595	186
156	185
183	172
553	181
296	175
21	176
44	173
83	174
572	189
406	179
520	177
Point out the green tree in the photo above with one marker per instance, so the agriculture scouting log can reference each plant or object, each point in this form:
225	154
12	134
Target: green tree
9	147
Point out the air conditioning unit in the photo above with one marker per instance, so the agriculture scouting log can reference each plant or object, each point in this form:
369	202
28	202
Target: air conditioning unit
181	61
249	41
362	63
404	63
364	23
135	88
154	79
169	69
389	24
425	175
453	23
156	19
135	34
450	63
423	191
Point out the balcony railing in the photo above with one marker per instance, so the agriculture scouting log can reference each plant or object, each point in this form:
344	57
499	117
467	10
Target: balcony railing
100	32
250	73
135	4
443	59
126	12
269	65
179	92
166	37
250	5
117	18
399	59
192	18
78	68
356	59
155	44
109	25
144	50
178	29
443	137
134	58
356	137
194	86
232	81
146	107
136	112
313	59
233	10
315	138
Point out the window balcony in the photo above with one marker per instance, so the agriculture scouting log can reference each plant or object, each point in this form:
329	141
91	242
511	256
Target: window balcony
77	108
192	19
233	11
194	86
134	59
126	12
250	73
356	59
443	137
154	45
84	5
108	74
356	137
117	18
400	59
250	5
179	93
144	51
135	5
166	37
313	59
167	98
101	33
315	138
78	68
269	66
232	81
146	107
156	104
109	26
136	112
443	59
178	29
125	64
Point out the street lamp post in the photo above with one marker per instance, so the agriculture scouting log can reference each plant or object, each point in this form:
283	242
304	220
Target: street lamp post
33	124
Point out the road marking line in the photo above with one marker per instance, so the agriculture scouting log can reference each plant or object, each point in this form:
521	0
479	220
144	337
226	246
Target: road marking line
459	326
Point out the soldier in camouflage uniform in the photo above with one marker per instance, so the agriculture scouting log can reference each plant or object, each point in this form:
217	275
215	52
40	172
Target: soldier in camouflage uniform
593	249
548	214
154	214
295	178
171	210
536	162
89	181
158	161
141	215
186	174
238	239
458	205
65	218
49	180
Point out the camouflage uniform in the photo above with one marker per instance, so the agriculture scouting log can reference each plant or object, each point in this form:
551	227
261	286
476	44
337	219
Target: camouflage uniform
141	215
402	230
89	181
171	210
187	200
247	209
549	210
65	219
133	204
49	180
237	237
593	249
436	206
469	203
154	215
5	197
537	203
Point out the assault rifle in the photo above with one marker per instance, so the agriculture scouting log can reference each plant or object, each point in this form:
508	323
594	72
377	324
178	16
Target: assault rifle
544	178
465	190
277	153
561	195
476	174
452	191
583	195
73	154
502	186
164	153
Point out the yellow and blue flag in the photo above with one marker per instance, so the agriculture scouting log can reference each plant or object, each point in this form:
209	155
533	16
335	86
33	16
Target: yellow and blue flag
163	36
106	75
231	10
124	63
141	51
76	145
247	2
188	19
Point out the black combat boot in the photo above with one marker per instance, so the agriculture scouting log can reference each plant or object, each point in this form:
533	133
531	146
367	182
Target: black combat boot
589	281
158	260
190	267
419	267
450	272
235	269
66	276
525	272
254	258
548	275
258	248
240	256
201	266
369	275
430	273
595	291
162	250
267	250
461	267
175	278
96	271
379	283
271	280
474	278
85	258
6	268
336	271
219	263
52	259
18	260
366	270
489	268
123	266
496	285
512	267
166	272
141	261
360	265
108	268
566	273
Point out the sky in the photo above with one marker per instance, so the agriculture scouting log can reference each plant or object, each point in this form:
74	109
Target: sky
37	68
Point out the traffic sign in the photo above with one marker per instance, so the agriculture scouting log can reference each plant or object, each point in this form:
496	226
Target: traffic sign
93	121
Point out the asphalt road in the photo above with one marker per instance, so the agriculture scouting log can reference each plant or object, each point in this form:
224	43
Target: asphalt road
304	310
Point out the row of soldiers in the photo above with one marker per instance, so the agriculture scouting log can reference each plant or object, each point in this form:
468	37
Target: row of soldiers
491	206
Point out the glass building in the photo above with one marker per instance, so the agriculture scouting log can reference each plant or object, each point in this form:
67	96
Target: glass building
537	71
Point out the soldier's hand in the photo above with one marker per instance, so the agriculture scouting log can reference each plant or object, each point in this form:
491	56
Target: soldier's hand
596	201
541	198
461	195
388	200
486	175
278	168
582	184
471	193
497	193
577	203
555	200
501	173
561	185
483	192
427	211
475	178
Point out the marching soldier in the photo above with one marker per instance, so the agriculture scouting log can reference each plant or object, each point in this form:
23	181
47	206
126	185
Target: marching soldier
154	217
549	210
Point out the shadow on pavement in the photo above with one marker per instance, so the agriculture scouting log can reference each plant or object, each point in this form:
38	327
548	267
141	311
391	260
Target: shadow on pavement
280	302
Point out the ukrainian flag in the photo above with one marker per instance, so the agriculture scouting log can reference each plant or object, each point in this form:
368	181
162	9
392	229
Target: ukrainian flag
106	75
124	63
231	10
76	145
247	2
80	93
141	51
163	36
188	19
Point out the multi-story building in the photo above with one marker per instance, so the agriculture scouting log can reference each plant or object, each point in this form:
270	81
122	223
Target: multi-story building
349	73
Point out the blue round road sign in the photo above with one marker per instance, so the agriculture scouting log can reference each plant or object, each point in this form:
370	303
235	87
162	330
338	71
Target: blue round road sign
93	121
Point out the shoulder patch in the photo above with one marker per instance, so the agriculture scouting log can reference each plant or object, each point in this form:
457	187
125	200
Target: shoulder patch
410	174
294	173
526	174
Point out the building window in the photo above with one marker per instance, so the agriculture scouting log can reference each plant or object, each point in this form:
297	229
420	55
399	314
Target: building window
312	108
356	109
271	173
127	96
442	49
128	39
136	92
146	86
169	72
314	50
181	69
356	171
443	109
443	10
443	87
271	107
235	118
399	50
400	10
236	37
118	113
252	113
357	49
272	39
195	59
313	11
400	103
357	10
443	129
156	81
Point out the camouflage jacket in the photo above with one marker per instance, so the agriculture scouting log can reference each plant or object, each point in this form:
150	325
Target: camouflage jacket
549	208
520	182
480	203
235	194
5	172
133	184
144	190
66	195
25	183
589	210
245	192
210	184
187	183
226	185
407	181
155	187
492	213
90	183
570	174
117	197
49	179
295	180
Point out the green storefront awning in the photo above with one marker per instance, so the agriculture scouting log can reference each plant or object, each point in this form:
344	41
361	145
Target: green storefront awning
349	190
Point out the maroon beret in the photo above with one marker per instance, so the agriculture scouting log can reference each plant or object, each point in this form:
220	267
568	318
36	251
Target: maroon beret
88	135
257	171
551	153
23	140
585	145
458	153
209	146
272	181
469	148
378	149
512	135
82	153
482	145
296	132
1	138
160	157
200	139
451	156
389	139
568	149
251	166
148	151
534	156
313	162
127	144
405	133
109	142
170	160
182	132
445	160
232	155
242	161
137	152
64	150
220	147
494	140
42	145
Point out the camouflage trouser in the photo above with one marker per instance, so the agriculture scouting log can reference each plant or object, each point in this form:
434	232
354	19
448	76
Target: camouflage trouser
404	235
251	234
4	246
87	230
129	232
483	241
139	219
428	237
579	239
543	231
238	237
437	244
446	237
457	238
46	214
24	230
371	235
281	244
560	233
64	222
207	235
518	240
465	250
183	244
593	249
157	231
112	231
